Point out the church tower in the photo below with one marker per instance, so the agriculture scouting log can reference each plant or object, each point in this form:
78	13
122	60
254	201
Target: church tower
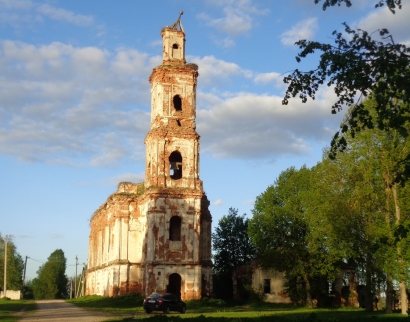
156	236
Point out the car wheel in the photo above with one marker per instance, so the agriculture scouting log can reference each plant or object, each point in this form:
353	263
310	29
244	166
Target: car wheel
148	311
183	310
167	310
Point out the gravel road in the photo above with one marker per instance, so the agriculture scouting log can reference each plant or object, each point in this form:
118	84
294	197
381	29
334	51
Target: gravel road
60	311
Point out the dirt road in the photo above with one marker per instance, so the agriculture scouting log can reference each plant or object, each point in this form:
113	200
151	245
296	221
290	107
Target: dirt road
60	311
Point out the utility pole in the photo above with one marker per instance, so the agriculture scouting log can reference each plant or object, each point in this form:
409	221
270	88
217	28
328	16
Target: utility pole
24	277
5	266
71	288
24	274
75	285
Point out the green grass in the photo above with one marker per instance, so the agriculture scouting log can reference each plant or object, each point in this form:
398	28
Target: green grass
9	308
211	310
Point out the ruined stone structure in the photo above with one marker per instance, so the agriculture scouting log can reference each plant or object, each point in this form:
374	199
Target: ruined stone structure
155	236
272	284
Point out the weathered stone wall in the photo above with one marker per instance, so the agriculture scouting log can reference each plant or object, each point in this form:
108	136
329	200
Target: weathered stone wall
129	241
277	285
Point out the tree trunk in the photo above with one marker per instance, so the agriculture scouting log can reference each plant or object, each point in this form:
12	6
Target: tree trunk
379	305
308	290
389	294
353	296
235	295
403	298
368	288
403	291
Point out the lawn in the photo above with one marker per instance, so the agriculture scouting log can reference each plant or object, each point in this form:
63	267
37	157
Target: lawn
131	306
8	308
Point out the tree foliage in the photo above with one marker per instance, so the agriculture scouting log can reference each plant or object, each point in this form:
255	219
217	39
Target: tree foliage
51	282
231	244
15	265
359	65
232	252
380	199
391	4
350	211
288	231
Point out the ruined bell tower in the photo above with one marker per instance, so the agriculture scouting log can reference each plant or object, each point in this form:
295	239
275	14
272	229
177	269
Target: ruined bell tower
172	144
156	236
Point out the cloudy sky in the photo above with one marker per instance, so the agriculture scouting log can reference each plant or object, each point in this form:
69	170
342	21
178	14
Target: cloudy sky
74	103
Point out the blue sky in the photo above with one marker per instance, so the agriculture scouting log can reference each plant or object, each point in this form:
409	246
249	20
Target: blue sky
74	103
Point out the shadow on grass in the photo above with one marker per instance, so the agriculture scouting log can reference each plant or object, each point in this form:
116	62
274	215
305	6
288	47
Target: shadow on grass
334	316
219	311
9	308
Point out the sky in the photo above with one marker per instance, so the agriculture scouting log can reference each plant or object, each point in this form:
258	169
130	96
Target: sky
75	103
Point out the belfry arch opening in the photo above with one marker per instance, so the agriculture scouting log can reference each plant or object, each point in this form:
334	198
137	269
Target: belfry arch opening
175	51
175	165
175	229
177	103
174	284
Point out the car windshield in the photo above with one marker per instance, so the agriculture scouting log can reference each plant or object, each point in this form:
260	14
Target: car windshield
154	296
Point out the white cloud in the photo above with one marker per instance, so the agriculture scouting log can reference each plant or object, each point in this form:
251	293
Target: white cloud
251	126
272	77
16	4
16	12
213	71
397	24
226	42
234	22
249	202
237	19
68	105
61	104
304	29
65	15
218	202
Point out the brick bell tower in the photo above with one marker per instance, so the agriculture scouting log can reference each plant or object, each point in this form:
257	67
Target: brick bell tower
155	236
178	247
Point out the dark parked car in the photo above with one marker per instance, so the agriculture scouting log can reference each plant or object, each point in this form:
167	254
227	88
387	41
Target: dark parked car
165	303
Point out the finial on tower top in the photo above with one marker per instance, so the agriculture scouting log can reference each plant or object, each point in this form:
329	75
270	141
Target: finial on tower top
178	23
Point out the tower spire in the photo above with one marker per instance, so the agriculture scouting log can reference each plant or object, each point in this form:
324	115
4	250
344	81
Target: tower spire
177	23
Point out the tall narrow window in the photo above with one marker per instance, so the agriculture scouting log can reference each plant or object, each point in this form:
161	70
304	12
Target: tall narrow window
175	164
175	229
175	51
177	103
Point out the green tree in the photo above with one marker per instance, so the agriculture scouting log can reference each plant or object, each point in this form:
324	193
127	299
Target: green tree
15	265
232	247
359	65
51	281
378	201
289	232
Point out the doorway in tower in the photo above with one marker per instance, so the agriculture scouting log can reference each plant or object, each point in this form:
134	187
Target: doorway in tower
174	284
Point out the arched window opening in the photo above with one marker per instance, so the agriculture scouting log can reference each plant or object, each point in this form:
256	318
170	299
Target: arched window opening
174	284
175	229
175	51
177	103
175	164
